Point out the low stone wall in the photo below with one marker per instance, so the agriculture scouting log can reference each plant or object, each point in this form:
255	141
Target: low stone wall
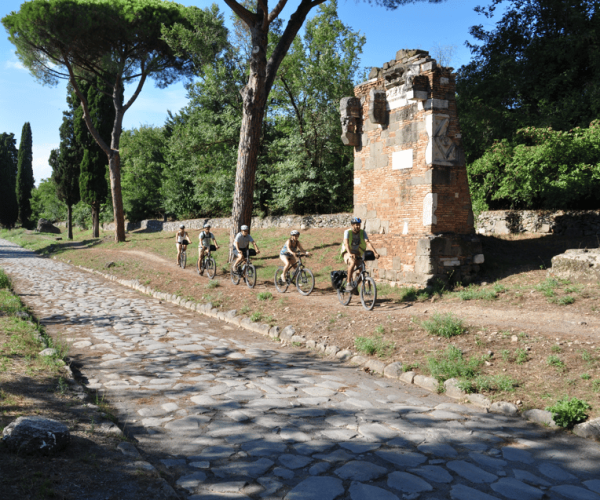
282	221
568	223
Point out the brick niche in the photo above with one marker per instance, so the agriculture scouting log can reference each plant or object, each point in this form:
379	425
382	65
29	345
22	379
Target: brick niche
410	180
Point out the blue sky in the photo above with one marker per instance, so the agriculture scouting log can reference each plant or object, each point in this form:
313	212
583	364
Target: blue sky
420	25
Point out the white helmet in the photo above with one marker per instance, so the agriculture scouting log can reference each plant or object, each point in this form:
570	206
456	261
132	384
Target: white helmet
207	225
244	228
295	233
182	226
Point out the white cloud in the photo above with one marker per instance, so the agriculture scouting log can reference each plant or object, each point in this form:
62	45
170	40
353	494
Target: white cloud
41	153
14	65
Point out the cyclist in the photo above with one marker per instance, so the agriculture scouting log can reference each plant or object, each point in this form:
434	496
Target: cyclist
240	246
182	240
205	237
288	252
355	243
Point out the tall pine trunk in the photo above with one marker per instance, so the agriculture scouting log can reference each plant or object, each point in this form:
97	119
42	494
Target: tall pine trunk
70	221
114	168
95	219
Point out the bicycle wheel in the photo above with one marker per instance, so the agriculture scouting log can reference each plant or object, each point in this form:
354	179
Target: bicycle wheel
182	259
280	284
250	275
211	267
235	277
344	296
368	293
305	281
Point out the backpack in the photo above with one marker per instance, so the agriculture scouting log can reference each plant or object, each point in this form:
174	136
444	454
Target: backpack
337	278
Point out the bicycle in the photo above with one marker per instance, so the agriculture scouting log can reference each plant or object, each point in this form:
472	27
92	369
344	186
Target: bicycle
183	256
207	263
303	277
368	288
245	270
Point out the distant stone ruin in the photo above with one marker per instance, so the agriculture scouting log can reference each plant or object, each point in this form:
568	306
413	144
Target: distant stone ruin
410	180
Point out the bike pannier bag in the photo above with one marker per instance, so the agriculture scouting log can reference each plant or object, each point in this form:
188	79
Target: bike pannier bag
337	277
368	255
213	248
251	252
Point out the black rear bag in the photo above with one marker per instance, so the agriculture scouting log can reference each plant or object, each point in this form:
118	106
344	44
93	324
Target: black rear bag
337	278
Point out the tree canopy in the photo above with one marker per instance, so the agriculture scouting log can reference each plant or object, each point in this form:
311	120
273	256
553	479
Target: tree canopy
118	41
538	67
25	180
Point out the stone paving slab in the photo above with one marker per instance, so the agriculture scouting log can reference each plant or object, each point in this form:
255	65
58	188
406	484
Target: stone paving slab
230	414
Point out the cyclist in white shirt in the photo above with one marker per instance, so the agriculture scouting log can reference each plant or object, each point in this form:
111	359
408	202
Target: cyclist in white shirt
240	246
182	240
205	237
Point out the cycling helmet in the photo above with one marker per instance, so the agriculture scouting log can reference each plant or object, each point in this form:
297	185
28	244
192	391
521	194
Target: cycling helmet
207	225
295	233
355	220
182	226
244	228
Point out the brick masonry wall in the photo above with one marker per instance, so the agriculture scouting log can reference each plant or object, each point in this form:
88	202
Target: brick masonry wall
409	171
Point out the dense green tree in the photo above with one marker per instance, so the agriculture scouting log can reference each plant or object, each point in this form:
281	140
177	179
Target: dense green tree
66	160
540	169
143	158
312	170
45	203
263	67
538	67
25	181
118	41
93	185
9	210
199	174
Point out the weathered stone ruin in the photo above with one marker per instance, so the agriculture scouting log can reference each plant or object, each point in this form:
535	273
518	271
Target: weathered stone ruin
410	180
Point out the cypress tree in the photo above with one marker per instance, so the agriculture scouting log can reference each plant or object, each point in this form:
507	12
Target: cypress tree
92	181
9	210
25	181
66	161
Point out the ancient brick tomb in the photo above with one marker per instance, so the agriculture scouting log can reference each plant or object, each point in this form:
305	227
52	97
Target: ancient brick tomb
410	180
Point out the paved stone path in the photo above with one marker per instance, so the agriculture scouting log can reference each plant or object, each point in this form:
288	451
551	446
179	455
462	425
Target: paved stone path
232	416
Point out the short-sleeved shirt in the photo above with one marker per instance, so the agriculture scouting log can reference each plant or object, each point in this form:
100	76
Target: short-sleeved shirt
205	238
243	241
354	239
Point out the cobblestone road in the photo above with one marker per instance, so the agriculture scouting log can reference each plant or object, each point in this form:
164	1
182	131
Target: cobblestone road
234	416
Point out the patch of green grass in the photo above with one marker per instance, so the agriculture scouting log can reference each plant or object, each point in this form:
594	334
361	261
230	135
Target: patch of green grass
548	287
499	288
494	383
585	376
520	356
4	280
477	293
256	316
444	325
565	301
505	353
555	361
596	385
409	366
213	284
375	345
245	309
265	296
451	364
568	412
586	356
556	348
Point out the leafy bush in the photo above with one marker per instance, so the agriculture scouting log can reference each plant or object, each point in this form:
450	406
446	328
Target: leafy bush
444	325
540	168
374	345
568	412
451	364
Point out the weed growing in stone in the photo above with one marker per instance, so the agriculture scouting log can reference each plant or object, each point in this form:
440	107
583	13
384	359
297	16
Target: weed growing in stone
375	345
568	412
